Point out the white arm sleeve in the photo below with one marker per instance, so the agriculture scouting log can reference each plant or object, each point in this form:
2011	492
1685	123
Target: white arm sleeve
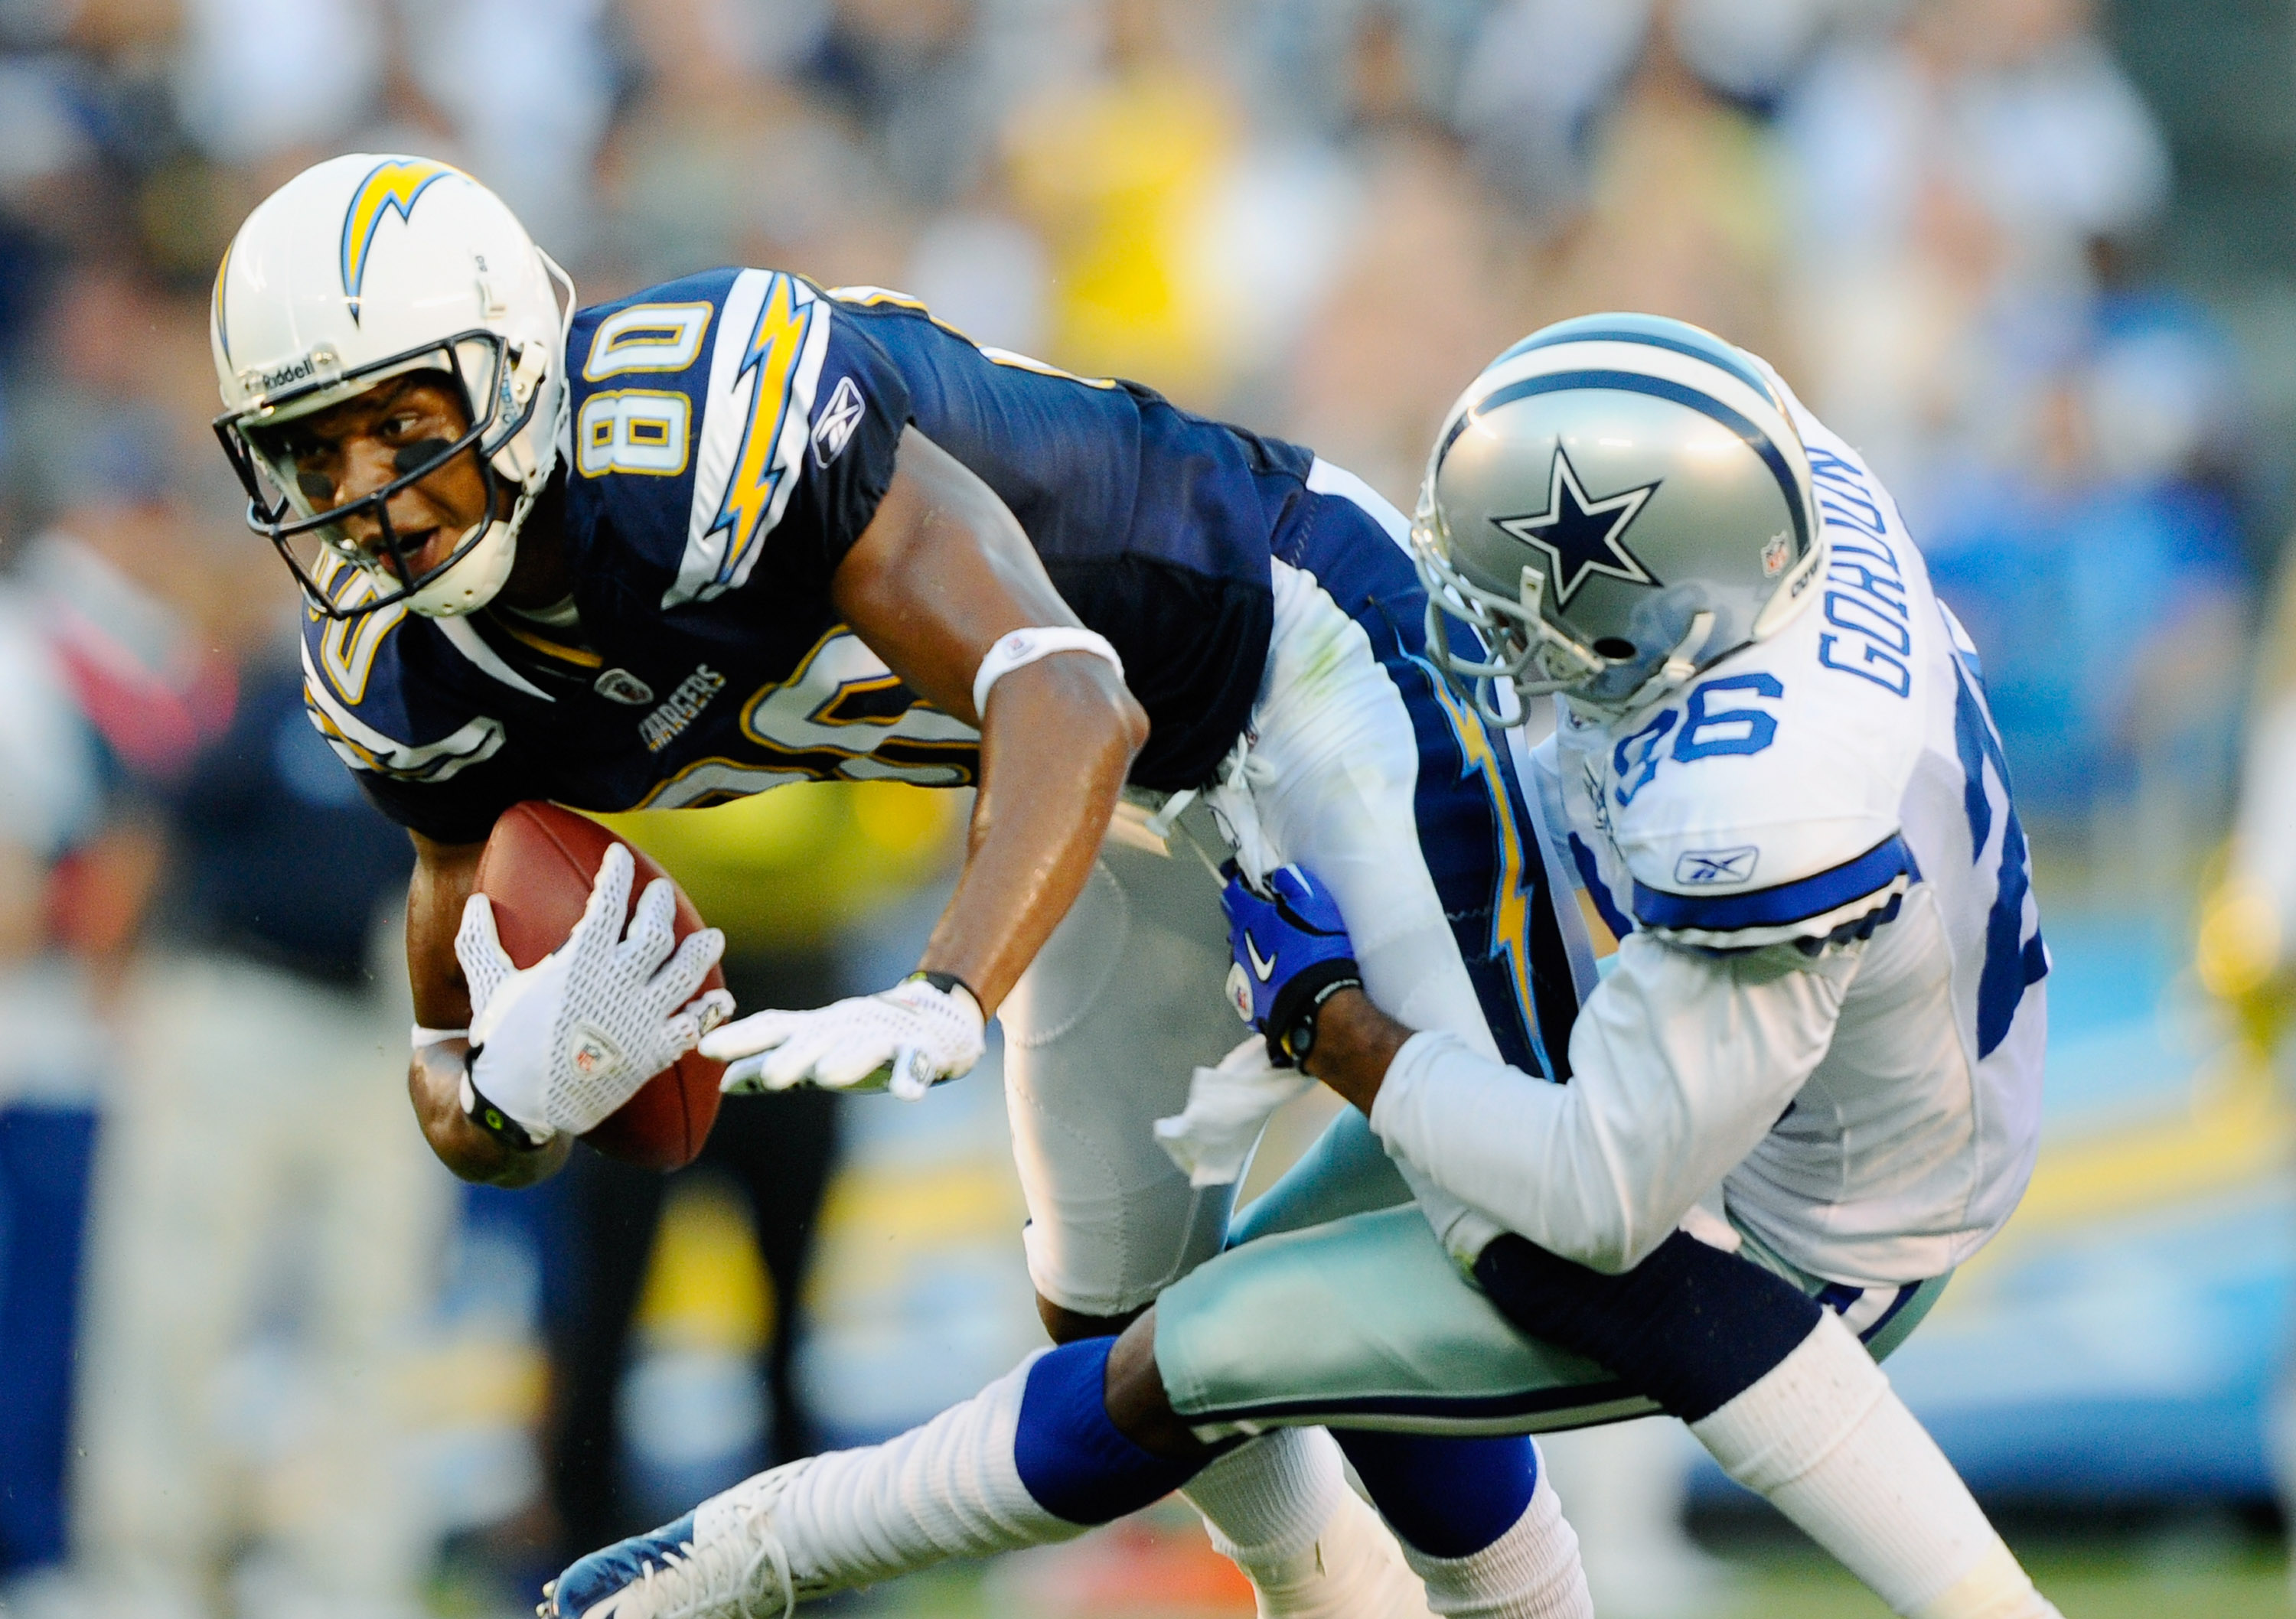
1680	1064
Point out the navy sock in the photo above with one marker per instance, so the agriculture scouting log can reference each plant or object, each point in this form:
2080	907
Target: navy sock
1070	1456
1447	1497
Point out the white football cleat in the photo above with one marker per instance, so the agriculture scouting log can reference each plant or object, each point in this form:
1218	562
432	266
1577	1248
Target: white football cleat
722	1560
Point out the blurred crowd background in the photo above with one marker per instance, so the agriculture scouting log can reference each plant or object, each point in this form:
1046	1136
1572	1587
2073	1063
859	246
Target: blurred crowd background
259	1356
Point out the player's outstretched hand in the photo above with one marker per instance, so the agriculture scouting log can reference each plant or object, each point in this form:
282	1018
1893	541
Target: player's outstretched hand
1291	951
906	1039
563	1043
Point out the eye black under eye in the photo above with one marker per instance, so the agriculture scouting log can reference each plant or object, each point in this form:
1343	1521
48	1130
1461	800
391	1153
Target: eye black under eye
421	454
315	486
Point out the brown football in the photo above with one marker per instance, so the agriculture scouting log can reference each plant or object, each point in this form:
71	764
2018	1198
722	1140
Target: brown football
536	870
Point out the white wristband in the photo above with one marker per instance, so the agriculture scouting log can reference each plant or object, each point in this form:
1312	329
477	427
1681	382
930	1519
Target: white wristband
423	1036
1024	647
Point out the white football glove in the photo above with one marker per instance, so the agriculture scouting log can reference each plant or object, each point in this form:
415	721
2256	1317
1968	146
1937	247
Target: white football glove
905	1039
561	1045
1212	1138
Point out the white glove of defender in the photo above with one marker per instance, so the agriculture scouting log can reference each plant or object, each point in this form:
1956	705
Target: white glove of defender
564	1042
1212	1138
905	1039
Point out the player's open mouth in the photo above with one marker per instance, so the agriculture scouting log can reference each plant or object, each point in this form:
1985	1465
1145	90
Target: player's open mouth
416	548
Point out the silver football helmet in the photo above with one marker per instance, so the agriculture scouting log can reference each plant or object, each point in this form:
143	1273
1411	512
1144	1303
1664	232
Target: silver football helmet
1617	502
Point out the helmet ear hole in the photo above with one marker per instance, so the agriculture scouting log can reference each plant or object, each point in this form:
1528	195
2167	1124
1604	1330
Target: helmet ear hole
1616	648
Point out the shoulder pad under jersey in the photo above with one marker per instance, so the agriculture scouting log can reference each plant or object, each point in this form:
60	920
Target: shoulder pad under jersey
1760	803
723	415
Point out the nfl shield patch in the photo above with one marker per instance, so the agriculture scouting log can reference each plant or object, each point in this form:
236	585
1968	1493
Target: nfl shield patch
621	686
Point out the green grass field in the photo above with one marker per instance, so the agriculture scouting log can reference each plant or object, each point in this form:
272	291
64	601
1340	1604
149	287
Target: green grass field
2130	1576
2109	1582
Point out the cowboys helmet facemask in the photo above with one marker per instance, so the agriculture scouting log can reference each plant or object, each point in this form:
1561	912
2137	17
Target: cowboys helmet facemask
363	268
1617	502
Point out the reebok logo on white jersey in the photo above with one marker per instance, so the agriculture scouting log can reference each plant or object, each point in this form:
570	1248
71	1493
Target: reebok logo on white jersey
832	428
1717	868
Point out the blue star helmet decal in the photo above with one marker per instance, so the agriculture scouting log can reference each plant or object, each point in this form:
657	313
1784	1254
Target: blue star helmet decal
1581	536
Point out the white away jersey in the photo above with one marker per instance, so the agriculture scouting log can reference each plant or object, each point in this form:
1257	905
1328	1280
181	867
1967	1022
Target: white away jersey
1844	778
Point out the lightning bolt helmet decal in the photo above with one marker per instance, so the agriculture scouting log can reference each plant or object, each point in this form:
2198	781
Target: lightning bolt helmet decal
391	187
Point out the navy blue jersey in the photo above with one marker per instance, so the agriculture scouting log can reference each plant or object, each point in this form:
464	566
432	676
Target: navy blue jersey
733	434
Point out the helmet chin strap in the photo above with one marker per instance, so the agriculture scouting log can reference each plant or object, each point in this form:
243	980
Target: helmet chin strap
473	579
1682	663
476	577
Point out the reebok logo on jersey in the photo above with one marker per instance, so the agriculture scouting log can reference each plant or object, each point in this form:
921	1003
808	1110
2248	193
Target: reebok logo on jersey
658	729
833	426
1717	868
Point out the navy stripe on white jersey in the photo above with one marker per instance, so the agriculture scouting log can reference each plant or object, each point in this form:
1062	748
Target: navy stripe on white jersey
1817	904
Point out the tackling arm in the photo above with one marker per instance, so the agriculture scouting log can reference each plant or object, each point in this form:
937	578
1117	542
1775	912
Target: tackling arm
943	571
445	874
1681	1062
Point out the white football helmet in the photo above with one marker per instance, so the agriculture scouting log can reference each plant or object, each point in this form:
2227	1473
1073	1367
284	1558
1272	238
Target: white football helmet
365	268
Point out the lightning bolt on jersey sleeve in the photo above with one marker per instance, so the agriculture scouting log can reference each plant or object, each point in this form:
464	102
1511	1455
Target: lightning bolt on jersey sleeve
1680	1064
745	399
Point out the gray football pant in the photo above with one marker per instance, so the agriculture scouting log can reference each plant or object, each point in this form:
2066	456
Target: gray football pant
1338	1306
